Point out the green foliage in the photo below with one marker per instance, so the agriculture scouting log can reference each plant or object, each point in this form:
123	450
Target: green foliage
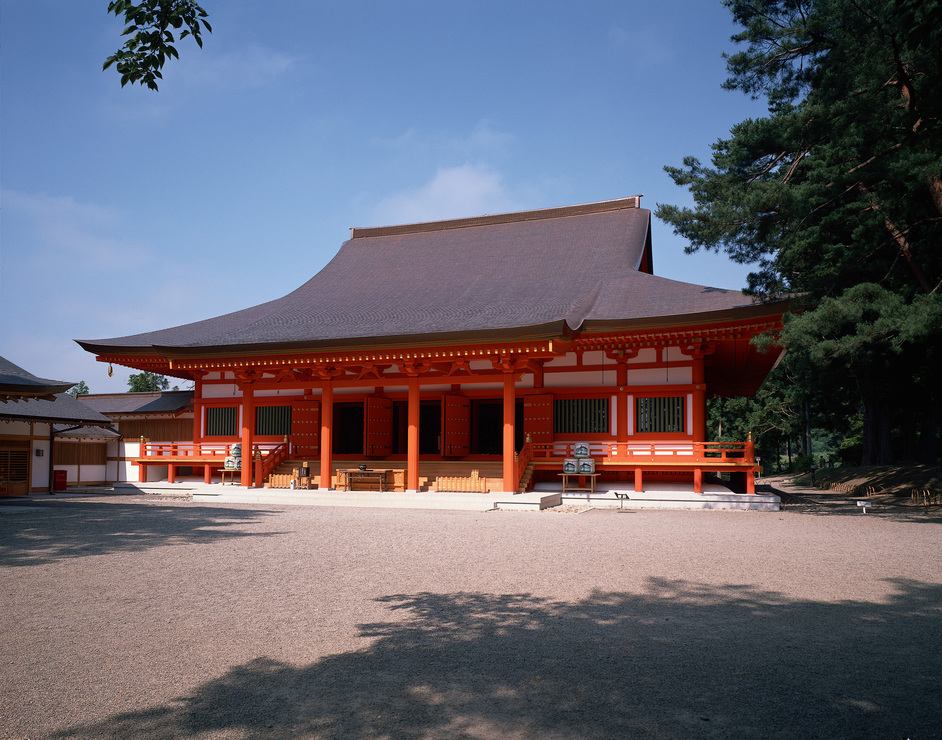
144	382
79	388
151	25
826	190
835	197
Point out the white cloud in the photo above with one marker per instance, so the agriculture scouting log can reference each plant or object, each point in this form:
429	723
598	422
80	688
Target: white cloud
483	141
454	192
249	67
62	229
647	46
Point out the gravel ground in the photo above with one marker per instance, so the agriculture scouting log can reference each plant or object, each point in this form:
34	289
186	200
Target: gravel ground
133	617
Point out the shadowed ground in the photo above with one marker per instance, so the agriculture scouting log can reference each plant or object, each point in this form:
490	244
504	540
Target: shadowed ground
348	623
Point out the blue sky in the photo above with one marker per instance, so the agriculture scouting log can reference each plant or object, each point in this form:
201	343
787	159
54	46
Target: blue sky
126	210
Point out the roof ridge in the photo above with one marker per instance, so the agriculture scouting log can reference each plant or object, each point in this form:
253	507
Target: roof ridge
633	201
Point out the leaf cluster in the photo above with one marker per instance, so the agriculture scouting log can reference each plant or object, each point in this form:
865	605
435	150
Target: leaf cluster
842	182
144	381
151	25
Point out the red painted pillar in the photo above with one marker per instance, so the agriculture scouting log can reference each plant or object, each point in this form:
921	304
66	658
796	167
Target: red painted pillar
699	430
327	434
198	412
171	473
248	433
412	439
510	400
639	486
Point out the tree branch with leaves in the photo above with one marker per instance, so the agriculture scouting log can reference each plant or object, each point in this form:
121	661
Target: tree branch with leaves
151	26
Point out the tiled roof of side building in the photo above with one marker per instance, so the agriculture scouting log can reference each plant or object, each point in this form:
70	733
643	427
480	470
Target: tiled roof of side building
156	402
530	274
63	409
17	383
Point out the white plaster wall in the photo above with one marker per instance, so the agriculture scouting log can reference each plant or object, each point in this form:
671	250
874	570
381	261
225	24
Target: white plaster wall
660	376
92	472
568	360
497	388
22	428
580	379
220	390
648	354
39	466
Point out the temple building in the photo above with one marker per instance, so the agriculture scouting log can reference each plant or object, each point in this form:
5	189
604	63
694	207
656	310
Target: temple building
482	351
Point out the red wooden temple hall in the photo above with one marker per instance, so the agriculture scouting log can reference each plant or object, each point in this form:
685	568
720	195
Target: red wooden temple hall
501	339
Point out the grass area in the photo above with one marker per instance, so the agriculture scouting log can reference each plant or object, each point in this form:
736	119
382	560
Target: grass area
893	479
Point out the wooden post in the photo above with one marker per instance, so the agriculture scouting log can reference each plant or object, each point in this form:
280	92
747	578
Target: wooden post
699	430
638	482
510	399
412	440
327	431
198	412
248	432
622	411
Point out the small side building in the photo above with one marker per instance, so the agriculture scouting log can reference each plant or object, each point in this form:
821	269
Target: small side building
47	437
161	417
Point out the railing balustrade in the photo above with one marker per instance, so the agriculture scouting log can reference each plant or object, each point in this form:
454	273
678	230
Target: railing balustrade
665	452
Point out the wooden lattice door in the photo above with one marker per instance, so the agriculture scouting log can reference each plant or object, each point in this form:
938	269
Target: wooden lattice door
456	426
538	418
306	429
378	429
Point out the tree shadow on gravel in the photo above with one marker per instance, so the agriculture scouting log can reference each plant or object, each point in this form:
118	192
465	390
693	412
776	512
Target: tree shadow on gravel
66	530
681	660
829	503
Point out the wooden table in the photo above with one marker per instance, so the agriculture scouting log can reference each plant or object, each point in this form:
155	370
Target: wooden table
567	486
232	473
349	476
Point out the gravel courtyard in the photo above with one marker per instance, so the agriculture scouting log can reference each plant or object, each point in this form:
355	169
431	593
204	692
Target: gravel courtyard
133	617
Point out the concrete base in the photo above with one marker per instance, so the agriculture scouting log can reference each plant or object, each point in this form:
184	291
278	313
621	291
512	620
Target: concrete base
657	495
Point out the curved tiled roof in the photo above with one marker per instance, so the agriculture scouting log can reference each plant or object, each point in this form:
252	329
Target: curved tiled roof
530	274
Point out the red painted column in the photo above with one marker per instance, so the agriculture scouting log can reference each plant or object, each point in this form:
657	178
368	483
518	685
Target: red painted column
327	434
198	412
248	433
621	412
639	485
412	440
510	399
699	401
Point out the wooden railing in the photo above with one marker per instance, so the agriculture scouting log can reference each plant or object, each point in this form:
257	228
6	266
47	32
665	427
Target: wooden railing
183	449
267	462
189	449
656	452
521	460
